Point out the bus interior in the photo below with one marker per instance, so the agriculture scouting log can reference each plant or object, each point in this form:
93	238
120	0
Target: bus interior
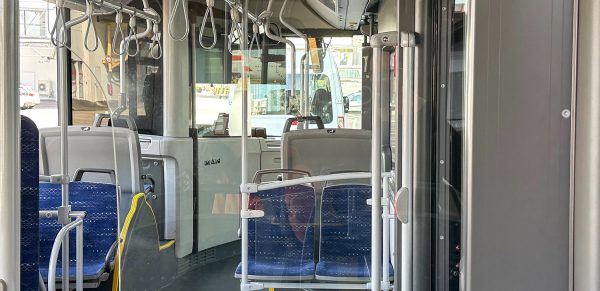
296	145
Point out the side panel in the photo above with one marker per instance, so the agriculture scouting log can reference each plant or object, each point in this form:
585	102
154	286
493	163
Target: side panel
219	179
517	145
175	154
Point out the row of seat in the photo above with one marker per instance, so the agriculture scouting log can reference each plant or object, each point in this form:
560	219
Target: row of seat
99	201
282	243
97	197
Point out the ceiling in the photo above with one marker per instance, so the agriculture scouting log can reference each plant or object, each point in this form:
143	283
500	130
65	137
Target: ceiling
297	13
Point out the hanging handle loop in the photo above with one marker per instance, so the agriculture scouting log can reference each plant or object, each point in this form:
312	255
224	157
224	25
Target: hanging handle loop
255	33
183	4
133	36
118	32
236	30
156	48
209	13
58	35
90	26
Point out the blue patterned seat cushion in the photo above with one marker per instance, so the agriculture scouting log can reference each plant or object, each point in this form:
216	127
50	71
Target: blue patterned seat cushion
99	201
281	244
345	246
30	246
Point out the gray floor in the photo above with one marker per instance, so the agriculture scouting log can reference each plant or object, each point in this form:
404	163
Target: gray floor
217	276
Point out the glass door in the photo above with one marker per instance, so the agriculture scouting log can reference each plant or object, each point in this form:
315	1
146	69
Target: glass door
448	139
431	94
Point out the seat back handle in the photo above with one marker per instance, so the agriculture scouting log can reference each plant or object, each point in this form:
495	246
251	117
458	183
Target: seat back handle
102	116
79	173
317	119
258	175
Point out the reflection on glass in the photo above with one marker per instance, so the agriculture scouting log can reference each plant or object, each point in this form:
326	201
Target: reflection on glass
331	4
454	139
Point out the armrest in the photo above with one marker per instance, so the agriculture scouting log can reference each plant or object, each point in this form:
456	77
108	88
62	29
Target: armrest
110	255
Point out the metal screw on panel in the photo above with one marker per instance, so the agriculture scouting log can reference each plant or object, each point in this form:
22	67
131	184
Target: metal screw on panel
385	39
566	113
442	162
441	237
443	86
156	164
444	8
154	197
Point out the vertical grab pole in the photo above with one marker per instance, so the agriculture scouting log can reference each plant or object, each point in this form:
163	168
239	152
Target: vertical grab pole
79	257
64	209
386	234
378	42
407	42
245	195
376	173
10	207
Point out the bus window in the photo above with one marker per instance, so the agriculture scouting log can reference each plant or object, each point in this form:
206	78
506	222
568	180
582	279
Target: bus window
37	64
96	80
270	97
321	102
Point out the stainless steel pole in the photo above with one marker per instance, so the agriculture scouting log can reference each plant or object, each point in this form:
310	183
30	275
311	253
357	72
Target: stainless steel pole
10	205
63	112
407	42
378	42
376	170
245	195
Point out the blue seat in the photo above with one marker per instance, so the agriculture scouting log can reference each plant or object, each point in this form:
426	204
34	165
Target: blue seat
281	244
29	205
99	201
345	245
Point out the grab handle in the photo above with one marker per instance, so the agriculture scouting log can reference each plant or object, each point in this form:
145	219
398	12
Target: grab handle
258	175
316	119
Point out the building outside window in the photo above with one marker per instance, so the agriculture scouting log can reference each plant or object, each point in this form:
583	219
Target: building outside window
33	23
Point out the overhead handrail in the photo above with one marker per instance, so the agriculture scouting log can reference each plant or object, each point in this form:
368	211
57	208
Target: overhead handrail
133	36
90	26
118	31
155	46
60	39
185	17
209	12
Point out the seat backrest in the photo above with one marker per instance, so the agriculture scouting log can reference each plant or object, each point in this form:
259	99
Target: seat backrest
99	201
29	205
92	147
346	225
286	232
326	151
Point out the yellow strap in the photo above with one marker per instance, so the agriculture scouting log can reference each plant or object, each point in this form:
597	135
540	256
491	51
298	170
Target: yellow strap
125	230
123	237
166	245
